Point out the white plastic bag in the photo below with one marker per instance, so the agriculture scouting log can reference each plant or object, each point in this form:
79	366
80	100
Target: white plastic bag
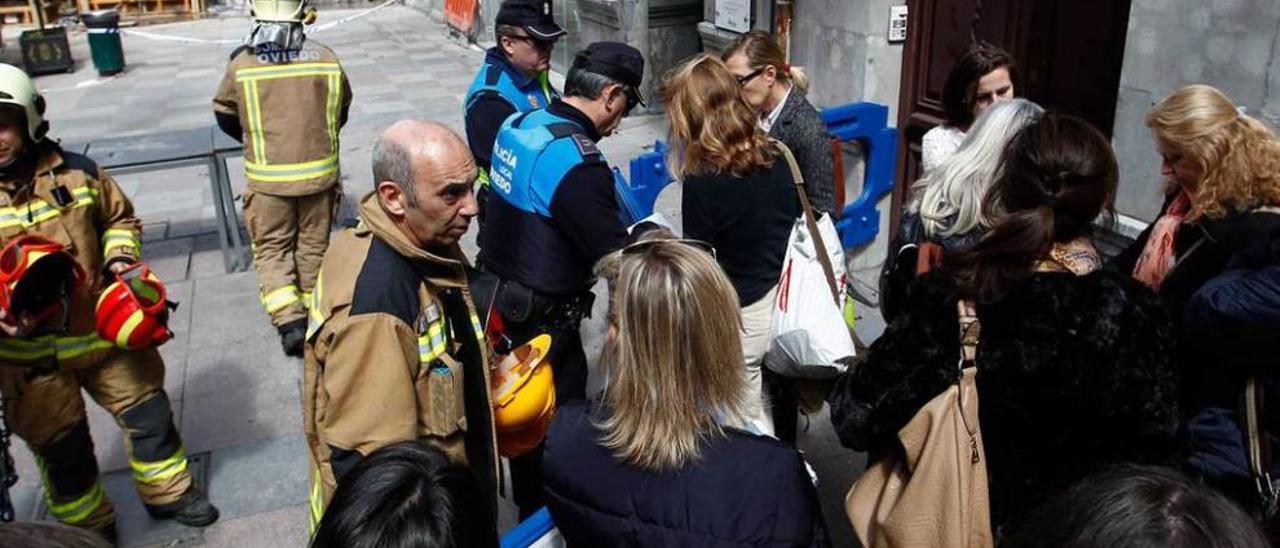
810	337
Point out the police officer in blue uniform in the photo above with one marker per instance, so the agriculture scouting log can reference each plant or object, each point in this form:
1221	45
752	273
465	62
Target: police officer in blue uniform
513	78
552	214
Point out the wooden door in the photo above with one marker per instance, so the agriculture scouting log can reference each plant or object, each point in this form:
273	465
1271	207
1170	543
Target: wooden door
1068	52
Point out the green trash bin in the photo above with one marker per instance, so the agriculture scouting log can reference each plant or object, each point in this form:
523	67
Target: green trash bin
104	41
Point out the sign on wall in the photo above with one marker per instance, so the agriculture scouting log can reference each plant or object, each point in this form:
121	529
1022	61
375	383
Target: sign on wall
734	15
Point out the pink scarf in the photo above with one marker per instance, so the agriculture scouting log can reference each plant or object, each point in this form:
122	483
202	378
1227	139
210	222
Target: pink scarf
1159	256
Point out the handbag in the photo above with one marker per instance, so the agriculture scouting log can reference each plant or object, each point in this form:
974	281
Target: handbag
934	491
808	334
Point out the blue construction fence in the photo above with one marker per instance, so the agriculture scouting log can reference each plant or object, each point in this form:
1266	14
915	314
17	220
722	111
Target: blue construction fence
859	221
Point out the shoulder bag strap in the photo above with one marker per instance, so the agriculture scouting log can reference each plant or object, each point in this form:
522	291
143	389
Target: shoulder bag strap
970	331
810	220
1256	445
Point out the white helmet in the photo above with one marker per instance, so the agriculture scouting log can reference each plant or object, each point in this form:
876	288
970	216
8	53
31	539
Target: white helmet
16	88
282	11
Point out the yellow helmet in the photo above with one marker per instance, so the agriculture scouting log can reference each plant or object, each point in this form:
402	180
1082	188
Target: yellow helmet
290	11
524	397
16	88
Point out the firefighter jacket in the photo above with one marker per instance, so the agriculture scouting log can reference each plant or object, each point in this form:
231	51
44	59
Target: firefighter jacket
74	202
394	351
290	106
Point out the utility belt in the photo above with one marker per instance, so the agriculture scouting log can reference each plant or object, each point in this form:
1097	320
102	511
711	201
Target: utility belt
520	304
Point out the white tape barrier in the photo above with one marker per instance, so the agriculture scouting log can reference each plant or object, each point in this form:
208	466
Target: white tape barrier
172	38
310	30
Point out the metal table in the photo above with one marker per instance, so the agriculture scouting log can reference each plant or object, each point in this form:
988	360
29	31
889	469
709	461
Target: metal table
173	149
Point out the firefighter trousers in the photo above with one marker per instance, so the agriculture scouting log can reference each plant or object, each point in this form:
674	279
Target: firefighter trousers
47	411
289	235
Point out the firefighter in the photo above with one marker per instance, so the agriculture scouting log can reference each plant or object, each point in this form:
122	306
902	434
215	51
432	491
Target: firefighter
395	349
286	98
68	199
552	215
513	78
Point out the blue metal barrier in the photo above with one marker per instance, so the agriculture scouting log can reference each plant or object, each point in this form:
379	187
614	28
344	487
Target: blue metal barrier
857	224
866	123
649	176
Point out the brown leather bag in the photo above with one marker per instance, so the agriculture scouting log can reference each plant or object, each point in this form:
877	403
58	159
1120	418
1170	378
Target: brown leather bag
937	495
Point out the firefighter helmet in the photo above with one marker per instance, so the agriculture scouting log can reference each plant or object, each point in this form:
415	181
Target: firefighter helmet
17	89
283	11
524	397
133	311
37	277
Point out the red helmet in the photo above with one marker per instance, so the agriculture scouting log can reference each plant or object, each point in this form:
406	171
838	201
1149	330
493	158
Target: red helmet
37	278
133	312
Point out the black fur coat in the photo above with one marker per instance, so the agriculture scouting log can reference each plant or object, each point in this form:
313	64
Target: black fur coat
1074	373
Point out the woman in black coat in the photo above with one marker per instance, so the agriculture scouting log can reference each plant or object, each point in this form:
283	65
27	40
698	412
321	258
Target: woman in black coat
1074	363
671	455
1223	168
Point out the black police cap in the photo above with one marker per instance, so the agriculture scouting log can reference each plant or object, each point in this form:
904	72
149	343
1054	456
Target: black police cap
615	60
534	16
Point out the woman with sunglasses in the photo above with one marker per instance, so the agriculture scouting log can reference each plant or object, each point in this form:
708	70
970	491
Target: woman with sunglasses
738	194
776	90
667	457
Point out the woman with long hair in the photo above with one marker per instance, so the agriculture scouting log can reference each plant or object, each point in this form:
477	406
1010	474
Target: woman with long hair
667	456
1223	170
946	204
981	77
1074	363
738	194
777	92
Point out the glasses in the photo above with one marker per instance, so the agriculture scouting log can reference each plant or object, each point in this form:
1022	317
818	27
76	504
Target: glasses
742	80
644	245
541	45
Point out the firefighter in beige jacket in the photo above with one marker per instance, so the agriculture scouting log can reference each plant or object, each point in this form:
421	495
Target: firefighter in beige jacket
44	368
286	99
395	350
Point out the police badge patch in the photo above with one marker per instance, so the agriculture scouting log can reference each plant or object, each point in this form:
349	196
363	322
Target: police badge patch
533	101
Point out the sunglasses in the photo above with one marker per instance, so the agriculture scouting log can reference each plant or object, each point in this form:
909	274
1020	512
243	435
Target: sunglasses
541	45
641	246
742	80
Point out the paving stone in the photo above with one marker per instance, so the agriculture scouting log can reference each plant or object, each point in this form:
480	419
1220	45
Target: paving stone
275	468
284	527
226	311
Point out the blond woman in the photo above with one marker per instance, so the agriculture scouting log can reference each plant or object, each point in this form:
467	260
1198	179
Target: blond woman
1219	219
738	195
667	458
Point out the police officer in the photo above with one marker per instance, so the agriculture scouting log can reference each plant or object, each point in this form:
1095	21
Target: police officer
286	98
44	365
553	214
513	78
396	349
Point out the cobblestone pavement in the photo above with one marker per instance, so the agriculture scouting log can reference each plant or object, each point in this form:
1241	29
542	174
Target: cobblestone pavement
235	395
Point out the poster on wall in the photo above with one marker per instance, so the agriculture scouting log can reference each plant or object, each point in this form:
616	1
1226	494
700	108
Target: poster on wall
734	15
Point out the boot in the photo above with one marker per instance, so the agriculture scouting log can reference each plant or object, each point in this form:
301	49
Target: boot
292	335
192	510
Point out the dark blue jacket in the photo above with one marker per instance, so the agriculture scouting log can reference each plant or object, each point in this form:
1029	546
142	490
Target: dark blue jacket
1233	327
747	490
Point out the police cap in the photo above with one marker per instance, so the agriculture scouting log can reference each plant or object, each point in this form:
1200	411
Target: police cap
617	61
534	16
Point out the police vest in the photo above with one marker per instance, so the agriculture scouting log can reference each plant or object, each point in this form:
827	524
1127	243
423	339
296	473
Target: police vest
531	156
493	81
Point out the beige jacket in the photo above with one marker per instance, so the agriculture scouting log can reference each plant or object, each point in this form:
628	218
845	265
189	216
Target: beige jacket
384	348
73	202
290	112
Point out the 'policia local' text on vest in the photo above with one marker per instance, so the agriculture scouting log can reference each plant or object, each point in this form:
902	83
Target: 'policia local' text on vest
533	153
